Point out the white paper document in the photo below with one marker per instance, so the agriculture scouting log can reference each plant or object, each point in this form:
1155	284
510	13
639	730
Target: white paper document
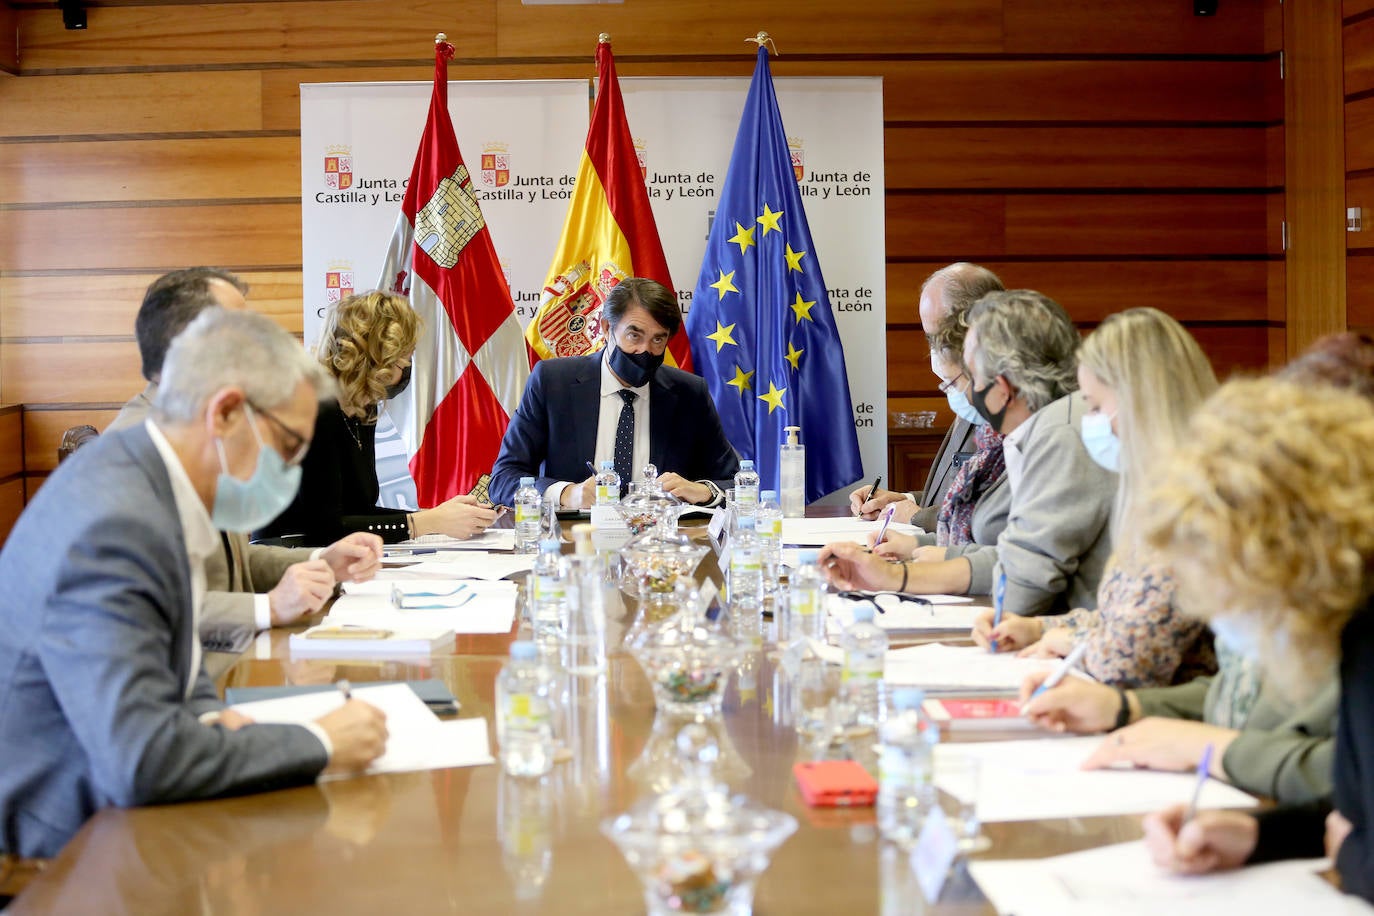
454	564
944	670
1044	779
817	532
490	609
944	612
416	738
1122	880
491	539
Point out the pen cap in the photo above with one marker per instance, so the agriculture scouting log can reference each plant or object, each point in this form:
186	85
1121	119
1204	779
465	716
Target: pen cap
908	698
863	613
524	651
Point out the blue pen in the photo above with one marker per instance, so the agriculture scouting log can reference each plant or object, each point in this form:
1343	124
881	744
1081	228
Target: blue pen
1204	769
408	551
591	467
1058	674
999	596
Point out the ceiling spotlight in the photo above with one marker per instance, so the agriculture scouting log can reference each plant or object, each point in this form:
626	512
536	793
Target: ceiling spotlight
73	14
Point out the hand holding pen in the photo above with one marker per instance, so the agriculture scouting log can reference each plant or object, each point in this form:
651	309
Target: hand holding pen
999	598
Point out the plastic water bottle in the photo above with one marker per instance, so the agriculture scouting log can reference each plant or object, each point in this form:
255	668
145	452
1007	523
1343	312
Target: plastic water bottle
746	488
768	529
524	717
861	682
744	583
607	485
792	474
806	599
548	597
905	755
528	504
584	644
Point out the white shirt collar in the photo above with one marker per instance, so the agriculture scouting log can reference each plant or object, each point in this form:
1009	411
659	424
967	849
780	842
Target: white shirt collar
610	384
202	539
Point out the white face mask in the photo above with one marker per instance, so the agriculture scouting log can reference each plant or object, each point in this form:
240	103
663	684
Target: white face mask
1243	634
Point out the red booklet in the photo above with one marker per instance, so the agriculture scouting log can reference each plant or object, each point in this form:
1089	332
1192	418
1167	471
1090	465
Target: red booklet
977	714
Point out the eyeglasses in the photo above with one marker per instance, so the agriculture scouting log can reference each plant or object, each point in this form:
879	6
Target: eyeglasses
298	446
886	601
945	386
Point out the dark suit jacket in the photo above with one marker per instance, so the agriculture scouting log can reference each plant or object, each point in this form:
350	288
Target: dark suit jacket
553	432
95	652
958	439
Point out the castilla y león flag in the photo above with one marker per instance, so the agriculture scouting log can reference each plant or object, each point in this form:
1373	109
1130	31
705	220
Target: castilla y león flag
470	365
609	235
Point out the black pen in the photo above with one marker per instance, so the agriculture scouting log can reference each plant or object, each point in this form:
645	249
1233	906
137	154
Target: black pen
873	490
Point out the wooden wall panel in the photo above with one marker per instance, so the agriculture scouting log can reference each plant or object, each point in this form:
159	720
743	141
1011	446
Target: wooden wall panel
199	169
70	373
1358	53
104	305
1092	290
1359	192
1076	157
987	226
43	432
11	442
1359	135
9	40
152	238
1093	27
336	30
1359	296
11	505
1356	7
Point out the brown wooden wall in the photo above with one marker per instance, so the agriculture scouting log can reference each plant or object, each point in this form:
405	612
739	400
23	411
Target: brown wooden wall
1110	154
1358	53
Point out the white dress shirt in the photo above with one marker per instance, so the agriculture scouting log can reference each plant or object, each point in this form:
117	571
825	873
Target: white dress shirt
1014	457
608	419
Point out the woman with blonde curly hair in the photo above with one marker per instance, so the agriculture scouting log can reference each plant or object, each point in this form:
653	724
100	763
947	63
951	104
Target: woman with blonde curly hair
1142	375
1267	514
366	344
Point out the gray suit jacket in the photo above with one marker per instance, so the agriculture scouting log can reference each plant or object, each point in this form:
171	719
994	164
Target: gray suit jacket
958	440
95	655
227	623
1058	537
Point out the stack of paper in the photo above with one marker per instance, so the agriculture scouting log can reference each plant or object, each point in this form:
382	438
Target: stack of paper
951	670
455	564
1122	880
1044	778
332	640
491	539
944	612
416	739
491	608
817	532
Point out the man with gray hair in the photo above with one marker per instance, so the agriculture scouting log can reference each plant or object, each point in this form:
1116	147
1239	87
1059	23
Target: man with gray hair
103	697
946	297
250	587
1021	351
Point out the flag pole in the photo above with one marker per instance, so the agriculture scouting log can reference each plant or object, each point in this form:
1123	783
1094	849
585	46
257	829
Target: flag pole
763	38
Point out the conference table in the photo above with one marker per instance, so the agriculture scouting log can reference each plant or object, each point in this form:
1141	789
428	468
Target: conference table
473	840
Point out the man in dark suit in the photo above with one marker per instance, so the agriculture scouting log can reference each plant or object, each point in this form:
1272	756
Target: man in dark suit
946	295
621	404
103	697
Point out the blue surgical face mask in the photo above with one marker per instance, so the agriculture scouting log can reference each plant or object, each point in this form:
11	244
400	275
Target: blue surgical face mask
958	402
1241	633
245	505
1101	443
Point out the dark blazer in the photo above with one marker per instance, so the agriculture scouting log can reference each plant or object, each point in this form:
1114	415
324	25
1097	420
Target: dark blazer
553	432
95	652
958	440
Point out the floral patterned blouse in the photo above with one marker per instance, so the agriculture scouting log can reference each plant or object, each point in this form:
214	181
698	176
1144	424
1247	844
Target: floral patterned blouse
1137	637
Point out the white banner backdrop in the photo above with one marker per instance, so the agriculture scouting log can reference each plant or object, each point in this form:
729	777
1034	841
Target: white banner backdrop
522	141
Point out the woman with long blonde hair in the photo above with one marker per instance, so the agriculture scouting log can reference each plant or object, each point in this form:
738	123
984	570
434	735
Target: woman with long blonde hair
366	344
1142	375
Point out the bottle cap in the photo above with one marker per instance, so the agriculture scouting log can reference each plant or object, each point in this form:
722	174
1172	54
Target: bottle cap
526	481
809	557
908	698
792	433
747	464
608	464
863	613
769	495
548	546
524	651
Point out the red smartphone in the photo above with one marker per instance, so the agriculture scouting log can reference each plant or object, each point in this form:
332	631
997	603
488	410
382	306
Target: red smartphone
835	783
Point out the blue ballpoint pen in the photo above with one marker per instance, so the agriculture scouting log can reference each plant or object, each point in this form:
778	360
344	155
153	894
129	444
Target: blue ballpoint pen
999	597
1204	769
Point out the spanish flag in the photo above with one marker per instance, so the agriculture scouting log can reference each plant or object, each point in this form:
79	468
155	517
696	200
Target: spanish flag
609	235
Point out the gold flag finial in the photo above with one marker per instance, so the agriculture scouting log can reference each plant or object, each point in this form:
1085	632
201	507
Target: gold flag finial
763	38
604	38
440	38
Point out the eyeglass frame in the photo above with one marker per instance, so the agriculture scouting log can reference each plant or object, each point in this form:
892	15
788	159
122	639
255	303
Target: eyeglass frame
945	386
302	445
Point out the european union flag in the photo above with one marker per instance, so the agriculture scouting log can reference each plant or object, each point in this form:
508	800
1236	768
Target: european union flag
762	332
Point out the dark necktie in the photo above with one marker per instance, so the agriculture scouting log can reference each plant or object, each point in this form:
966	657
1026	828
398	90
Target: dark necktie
625	439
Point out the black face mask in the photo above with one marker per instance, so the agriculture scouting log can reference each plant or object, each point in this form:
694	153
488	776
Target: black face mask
401	384
978	397
634	369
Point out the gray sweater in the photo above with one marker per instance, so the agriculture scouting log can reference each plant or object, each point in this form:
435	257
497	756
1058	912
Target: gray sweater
1058	535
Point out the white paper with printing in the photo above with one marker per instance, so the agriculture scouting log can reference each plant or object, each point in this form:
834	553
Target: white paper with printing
817	532
491	610
944	670
945	612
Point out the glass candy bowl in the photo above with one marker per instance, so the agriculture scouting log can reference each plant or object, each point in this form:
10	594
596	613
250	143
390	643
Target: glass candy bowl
695	848
658	558
687	662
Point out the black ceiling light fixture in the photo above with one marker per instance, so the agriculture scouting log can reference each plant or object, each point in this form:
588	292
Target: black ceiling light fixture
73	14
1205	7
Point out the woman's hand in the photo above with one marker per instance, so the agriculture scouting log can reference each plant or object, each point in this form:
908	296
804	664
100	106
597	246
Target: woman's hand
894	546
1055	642
849	566
1012	634
1075	705
459	517
1164	744
1211	841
